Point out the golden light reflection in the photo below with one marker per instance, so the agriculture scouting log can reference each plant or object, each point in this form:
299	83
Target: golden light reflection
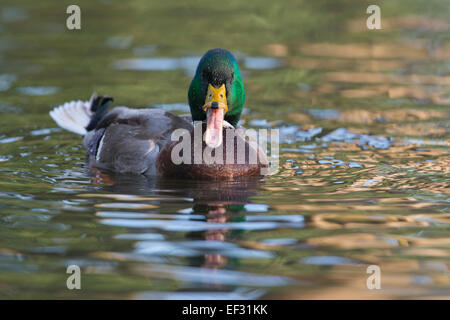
360	77
411	22
362	51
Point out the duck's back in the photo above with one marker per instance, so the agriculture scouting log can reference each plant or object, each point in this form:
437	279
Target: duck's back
123	140
130	140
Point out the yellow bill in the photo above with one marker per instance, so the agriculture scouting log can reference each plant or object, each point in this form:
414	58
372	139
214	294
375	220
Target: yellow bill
215	108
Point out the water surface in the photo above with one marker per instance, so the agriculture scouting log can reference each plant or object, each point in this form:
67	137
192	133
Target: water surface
364	155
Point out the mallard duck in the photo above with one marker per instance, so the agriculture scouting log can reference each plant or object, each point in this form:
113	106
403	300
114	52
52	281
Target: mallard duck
140	141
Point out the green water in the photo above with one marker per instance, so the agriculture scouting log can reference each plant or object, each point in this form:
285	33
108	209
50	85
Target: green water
374	192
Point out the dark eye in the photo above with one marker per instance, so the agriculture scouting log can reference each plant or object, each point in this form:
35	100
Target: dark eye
221	95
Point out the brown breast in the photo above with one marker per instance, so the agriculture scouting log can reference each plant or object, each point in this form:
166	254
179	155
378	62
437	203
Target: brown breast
189	157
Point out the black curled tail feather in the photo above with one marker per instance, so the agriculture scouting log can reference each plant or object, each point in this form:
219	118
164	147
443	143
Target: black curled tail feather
99	106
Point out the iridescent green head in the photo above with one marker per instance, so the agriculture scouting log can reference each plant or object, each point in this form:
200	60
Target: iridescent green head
216	93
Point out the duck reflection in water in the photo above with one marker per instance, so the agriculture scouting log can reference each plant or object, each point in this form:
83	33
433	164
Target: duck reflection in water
218	201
